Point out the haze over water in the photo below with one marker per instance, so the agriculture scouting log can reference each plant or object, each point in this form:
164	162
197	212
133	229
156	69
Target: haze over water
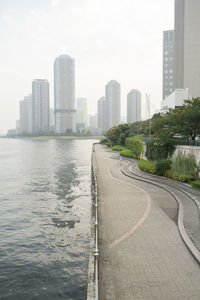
45	215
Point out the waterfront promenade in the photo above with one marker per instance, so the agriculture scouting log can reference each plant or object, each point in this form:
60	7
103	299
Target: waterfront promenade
141	253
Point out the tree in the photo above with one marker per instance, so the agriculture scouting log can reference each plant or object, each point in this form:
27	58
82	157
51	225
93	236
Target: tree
182	121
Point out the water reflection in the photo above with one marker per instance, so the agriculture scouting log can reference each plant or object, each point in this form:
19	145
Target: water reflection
44	219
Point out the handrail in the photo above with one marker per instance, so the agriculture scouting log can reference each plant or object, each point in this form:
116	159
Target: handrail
93	273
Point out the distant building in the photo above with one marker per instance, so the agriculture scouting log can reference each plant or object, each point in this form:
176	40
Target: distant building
17	126
168	63
101	113
81	114
113	104
40	104
51	119
11	132
175	99
92	124
187	45
64	94
26	115
133	106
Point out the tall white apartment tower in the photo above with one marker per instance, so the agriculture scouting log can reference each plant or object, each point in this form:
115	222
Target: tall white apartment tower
113	104
168	63
25	122
40	106
64	94
133	106
187	45
101	113
81	113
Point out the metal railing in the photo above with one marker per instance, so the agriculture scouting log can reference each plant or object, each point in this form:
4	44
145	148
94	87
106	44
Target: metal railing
96	250
92	292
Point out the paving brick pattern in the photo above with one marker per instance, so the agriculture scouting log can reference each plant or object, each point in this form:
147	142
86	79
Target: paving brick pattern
153	262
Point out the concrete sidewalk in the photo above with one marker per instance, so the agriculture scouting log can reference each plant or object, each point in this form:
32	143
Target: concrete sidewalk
141	253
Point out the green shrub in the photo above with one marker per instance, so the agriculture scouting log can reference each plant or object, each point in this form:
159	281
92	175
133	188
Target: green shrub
147	166
196	184
109	144
162	166
183	164
103	141
157	149
135	144
182	178
127	153
118	148
185	178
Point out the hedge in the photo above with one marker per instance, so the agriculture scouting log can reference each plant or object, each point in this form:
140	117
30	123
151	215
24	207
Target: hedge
147	166
196	184
118	148
127	153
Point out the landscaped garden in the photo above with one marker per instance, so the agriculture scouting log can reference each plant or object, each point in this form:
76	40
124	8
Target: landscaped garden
178	126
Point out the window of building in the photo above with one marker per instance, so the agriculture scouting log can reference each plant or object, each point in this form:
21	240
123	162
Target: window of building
171	71
171	36
166	71
166	58
166	36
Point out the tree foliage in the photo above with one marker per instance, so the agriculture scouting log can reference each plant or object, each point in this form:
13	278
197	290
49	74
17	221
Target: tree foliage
158	149
182	121
135	144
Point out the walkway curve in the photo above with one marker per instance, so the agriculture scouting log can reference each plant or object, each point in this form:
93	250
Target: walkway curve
192	248
139	223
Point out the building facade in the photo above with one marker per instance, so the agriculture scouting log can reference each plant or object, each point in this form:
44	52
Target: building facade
176	98
64	94
113	104
40	106
81	113
25	122
101	113
133	106
187	45
168	63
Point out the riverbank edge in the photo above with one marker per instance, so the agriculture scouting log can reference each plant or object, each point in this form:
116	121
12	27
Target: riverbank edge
92	286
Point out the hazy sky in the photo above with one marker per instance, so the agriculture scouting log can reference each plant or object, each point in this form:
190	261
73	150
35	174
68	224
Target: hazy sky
109	39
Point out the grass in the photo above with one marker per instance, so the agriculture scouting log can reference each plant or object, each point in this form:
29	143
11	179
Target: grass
127	153
118	148
147	166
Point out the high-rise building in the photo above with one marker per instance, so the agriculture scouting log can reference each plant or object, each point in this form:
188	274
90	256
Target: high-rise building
81	113
51	120
168	63
25	125
64	95
133	106
40	104
101	112
113	104
187	45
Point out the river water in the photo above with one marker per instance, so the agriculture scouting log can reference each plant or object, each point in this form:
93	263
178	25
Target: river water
45	218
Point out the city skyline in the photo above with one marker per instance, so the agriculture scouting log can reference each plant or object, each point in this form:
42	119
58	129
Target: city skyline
40	32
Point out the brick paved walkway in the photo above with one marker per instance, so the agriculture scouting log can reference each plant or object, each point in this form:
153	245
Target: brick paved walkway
149	259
